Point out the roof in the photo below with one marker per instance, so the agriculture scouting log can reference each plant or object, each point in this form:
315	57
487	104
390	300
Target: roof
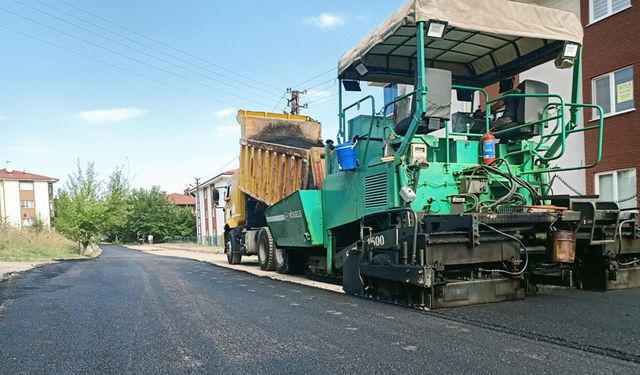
17	175
485	41
213	179
181	199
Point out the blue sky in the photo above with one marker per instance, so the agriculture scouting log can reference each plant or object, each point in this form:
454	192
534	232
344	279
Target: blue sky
57	106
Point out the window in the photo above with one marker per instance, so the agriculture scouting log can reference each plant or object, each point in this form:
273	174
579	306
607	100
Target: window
600	9
26	185
26	204
26	222
618	186
613	92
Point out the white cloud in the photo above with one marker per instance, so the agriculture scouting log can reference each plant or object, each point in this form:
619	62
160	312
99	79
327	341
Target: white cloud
226	112
3	118
111	115
225	131
325	21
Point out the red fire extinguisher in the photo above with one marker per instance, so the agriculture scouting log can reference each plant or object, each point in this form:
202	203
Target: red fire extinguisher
488	148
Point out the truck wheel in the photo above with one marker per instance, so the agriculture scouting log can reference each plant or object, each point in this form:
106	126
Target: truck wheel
231	247
283	261
266	250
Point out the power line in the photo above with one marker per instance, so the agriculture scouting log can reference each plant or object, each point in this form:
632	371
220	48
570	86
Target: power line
115	66
168	45
322	98
129	57
312	78
220	170
279	101
333	80
120	35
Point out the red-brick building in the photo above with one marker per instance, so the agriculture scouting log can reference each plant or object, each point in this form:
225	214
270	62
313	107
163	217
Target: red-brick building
611	78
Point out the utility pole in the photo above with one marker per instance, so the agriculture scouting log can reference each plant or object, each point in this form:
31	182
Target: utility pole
294	101
198	222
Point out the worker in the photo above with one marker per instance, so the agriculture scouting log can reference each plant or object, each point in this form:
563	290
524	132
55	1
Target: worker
510	104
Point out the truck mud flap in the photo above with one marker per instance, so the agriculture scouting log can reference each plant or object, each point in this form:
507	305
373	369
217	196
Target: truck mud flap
351	279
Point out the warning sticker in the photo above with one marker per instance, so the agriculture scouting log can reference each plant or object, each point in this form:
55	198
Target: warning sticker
624	92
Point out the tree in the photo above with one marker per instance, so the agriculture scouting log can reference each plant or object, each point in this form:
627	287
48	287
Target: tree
118	205
79	207
151	213
184	222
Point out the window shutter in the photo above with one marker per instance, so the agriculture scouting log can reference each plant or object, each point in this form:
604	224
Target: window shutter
599	8
616	5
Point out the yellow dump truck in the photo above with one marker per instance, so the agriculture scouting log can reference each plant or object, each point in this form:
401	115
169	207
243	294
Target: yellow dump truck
279	154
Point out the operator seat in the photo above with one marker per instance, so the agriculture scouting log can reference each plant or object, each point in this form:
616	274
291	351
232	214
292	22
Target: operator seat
524	110
438	104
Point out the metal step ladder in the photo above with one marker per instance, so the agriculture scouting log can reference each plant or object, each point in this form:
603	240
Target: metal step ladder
596	215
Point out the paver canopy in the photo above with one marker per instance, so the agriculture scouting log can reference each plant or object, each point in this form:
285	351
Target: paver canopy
485	40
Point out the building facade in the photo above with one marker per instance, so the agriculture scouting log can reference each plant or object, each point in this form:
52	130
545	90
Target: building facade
610	78
25	198
210	200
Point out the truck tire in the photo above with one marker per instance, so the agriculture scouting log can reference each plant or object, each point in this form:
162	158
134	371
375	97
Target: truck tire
266	250
289	261
231	248
283	261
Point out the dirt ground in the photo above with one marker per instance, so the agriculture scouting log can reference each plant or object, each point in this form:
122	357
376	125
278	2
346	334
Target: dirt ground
8	268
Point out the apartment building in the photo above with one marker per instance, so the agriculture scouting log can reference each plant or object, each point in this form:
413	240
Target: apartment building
25	197
610	70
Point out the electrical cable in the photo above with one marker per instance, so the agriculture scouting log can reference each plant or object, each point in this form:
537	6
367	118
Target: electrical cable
279	101
278	89
115	66
322	98
145	46
332	80
524	247
127	56
310	79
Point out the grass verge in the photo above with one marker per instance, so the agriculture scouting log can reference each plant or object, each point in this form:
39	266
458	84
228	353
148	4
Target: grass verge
22	245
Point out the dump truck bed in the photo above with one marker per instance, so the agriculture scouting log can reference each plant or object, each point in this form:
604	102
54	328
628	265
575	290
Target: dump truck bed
279	154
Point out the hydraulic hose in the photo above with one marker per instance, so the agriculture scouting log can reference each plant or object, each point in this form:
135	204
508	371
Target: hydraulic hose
526	252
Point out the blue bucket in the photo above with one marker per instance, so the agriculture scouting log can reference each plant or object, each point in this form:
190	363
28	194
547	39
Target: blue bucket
347	156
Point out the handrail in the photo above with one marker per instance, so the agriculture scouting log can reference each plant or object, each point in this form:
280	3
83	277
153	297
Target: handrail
373	118
600	128
487	109
343	129
533	150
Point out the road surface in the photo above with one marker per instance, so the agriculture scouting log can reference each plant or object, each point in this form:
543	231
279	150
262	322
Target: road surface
129	312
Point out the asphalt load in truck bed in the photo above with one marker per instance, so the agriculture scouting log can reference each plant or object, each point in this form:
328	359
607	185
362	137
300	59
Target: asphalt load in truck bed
291	142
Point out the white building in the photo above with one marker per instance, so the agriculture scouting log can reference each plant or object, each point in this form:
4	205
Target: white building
25	197
209	210
559	81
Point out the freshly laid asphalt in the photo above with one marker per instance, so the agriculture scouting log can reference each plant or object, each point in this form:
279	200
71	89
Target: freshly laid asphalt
128	312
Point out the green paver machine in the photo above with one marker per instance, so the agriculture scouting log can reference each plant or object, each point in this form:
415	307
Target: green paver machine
433	209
